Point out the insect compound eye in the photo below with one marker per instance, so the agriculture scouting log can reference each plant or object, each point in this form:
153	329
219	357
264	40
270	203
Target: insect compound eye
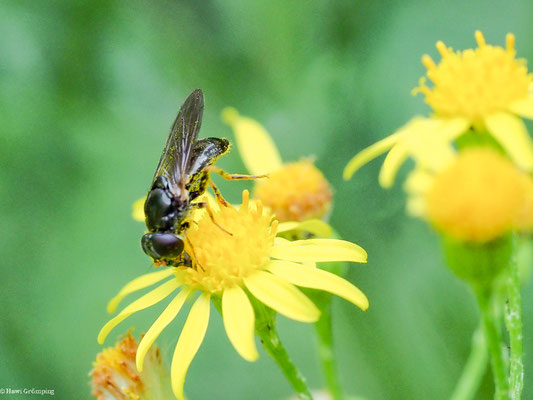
162	245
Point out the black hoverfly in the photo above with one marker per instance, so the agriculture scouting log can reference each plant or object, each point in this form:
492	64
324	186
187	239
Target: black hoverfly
182	176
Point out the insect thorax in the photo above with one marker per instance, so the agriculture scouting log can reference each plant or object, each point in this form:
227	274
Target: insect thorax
164	212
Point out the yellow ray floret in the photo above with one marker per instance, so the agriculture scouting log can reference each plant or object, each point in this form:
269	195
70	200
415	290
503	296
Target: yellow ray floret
427	140
294	191
257	149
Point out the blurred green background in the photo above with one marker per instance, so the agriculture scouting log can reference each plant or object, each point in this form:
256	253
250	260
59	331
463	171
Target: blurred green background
88	90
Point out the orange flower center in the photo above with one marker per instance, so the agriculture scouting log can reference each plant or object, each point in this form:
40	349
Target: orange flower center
479	198
296	192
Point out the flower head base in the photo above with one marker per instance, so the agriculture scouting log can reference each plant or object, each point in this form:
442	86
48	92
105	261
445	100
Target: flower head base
250	261
296	192
479	198
475	83
115	376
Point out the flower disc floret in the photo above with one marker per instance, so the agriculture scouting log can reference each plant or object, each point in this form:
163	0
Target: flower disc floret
479	198
114	375
295	192
475	83
222	258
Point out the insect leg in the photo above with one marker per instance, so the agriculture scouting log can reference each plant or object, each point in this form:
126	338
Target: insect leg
234	177
193	254
218	195
203	204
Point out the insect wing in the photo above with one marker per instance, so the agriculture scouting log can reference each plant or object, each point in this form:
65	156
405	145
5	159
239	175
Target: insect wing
175	160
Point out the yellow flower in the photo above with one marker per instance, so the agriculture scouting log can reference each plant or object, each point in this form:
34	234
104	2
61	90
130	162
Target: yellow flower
114	375
250	260
485	89
478	197
295	191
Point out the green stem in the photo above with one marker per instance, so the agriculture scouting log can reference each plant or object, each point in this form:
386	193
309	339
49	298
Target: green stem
325	351
265	328
492	334
474	369
513	321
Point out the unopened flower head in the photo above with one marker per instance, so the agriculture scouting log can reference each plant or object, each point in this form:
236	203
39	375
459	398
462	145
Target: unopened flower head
485	90
249	260
295	191
115	376
479	197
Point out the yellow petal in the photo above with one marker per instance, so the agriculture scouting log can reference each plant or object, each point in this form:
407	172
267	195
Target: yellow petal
428	141
319	279
431	146
160	323
278	241
316	226
511	133
137	209
371	152
281	296
452	128
523	107
149	299
417	185
393	161
419	181
191	338
239	321
257	149
137	284
319	250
